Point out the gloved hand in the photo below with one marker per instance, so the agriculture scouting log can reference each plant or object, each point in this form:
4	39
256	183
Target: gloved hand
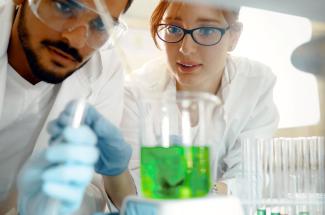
140	208
135	208
59	175
115	153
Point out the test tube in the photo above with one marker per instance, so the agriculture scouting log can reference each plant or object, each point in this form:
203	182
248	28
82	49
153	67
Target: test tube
299	165
292	168
253	170
321	164
271	169
266	175
245	154
285	210
275	211
306	173
259	169
261	211
278	177
302	210
75	121
285	166
79	114
313	165
321	174
248	147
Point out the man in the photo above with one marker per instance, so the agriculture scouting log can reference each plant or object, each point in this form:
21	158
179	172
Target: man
48	56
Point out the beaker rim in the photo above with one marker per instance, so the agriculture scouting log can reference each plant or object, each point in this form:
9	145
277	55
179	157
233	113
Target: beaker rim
184	95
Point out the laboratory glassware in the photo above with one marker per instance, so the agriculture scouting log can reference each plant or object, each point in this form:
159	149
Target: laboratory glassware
175	145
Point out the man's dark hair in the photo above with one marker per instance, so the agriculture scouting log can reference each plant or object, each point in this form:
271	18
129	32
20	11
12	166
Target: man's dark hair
128	5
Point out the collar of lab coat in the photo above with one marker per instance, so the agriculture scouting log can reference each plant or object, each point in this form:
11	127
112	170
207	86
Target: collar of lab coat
226	80
226	83
155	77
6	15
79	85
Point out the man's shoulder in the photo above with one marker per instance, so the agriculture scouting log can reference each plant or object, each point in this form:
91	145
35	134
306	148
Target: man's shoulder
101	67
6	14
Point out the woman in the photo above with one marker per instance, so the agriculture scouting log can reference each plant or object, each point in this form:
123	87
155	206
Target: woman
196	40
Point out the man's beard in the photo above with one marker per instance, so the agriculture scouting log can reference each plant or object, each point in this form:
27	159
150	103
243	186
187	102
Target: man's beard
38	70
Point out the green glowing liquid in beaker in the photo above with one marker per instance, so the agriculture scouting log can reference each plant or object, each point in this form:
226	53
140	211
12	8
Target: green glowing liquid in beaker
175	172
261	211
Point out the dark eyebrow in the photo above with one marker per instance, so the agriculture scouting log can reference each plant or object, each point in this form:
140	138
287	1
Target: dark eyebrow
76	4
208	20
198	20
115	20
173	18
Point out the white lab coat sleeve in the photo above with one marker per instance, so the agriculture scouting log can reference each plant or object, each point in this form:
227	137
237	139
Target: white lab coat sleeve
109	99
262	123
264	118
129	130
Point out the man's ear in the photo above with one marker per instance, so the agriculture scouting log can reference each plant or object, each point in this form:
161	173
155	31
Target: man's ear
18	2
235	32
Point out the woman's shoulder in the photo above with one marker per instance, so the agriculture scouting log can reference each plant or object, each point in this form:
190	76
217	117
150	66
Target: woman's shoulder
150	74
151	67
249	69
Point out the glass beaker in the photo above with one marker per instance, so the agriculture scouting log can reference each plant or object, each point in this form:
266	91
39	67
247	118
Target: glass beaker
175	136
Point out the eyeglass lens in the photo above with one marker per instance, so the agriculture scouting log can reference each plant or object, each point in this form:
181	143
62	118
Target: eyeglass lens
203	35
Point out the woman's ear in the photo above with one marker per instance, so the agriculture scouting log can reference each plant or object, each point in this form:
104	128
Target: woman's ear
235	32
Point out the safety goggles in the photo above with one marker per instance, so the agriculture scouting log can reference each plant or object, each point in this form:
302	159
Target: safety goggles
92	15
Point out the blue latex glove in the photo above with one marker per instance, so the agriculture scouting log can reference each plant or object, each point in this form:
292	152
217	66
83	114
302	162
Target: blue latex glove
135	208
140	208
115	153
59	174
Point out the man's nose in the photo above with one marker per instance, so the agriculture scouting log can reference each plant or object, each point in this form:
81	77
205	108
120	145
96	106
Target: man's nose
76	36
188	45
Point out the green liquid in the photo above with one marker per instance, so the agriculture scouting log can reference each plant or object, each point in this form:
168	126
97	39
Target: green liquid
261	211
175	172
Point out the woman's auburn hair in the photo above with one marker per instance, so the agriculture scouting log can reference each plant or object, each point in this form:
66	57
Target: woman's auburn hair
231	17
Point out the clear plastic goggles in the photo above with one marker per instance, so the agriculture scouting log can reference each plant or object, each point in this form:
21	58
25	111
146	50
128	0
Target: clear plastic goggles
92	15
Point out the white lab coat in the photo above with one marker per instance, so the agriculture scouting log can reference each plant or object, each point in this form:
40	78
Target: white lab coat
248	111
102	87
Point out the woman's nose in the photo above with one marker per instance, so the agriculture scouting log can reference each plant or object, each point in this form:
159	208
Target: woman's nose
188	45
